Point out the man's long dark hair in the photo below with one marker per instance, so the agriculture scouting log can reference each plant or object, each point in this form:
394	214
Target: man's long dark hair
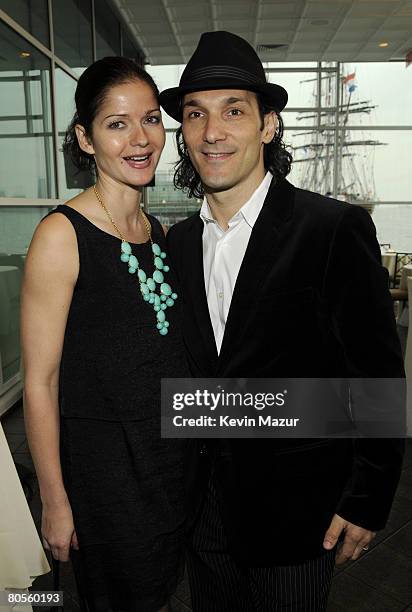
276	158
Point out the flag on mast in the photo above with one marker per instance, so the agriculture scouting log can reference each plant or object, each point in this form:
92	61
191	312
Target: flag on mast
349	77
349	81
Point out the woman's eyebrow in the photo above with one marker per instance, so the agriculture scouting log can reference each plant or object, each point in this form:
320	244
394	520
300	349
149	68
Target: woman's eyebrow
152	110
117	115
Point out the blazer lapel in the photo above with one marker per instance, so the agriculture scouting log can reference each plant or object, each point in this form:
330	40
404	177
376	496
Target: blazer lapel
261	252
196	288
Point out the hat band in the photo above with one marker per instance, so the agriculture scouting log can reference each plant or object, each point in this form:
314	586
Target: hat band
223	71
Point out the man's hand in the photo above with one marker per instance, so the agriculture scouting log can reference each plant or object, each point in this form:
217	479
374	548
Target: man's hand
356	539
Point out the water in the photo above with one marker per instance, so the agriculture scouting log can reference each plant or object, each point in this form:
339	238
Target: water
394	225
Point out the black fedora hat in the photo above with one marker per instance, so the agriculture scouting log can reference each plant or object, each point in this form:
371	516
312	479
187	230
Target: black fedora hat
223	60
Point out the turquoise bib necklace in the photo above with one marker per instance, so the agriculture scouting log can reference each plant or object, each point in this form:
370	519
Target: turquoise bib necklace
161	300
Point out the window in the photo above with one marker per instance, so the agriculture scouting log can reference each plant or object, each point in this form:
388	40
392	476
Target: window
32	15
107	30
71	180
26	154
73	32
167	203
129	48
385	90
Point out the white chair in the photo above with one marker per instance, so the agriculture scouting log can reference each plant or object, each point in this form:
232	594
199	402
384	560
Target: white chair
401	295
22	556
389	262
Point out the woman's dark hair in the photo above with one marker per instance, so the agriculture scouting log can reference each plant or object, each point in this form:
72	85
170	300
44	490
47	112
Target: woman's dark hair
276	158
91	90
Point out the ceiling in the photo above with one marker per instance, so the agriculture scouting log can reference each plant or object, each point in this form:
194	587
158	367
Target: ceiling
310	30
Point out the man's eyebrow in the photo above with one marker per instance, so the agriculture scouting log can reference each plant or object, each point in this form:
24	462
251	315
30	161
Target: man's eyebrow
235	100
192	102
231	100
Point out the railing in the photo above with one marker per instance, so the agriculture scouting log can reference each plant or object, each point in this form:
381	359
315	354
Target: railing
18	219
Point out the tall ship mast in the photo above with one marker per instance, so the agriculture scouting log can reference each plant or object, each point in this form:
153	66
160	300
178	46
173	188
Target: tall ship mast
315	157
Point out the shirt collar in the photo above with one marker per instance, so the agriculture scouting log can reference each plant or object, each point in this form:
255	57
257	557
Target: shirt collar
205	213
250	209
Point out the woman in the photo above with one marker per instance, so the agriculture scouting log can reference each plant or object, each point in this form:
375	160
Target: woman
100	329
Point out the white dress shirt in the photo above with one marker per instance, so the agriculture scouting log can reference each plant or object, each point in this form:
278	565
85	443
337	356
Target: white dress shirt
223	253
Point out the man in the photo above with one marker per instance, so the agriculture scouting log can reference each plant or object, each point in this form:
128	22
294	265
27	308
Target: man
274	282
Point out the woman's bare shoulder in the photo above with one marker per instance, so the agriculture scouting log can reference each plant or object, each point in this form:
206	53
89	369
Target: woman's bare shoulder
57	227
54	230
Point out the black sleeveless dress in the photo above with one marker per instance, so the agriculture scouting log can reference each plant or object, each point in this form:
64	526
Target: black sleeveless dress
125	484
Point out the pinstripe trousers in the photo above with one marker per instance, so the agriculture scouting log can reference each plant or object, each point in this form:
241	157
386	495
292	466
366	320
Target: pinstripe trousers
219	584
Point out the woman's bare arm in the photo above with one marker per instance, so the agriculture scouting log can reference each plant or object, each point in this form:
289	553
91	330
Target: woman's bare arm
51	271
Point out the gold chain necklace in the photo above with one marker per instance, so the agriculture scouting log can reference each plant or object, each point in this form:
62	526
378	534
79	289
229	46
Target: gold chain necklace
147	225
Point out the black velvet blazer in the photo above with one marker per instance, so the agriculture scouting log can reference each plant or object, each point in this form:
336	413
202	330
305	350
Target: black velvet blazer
311	300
